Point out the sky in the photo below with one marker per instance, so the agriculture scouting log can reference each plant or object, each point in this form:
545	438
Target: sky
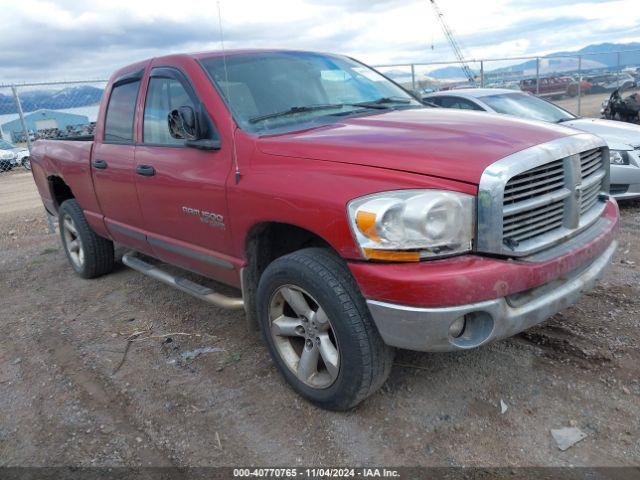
71	40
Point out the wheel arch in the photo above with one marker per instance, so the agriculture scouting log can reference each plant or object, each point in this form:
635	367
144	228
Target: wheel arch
264	243
59	190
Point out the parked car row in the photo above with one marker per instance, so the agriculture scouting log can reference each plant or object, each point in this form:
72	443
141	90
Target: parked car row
558	86
623	139
12	156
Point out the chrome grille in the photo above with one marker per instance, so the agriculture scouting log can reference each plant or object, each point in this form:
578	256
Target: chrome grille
590	162
530	223
524	216
592	175
521	211
532	183
589	197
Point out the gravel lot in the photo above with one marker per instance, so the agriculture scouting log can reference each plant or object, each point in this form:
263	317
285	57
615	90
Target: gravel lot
64	401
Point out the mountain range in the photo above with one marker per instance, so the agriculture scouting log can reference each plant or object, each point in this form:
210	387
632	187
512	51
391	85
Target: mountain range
596	56
70	97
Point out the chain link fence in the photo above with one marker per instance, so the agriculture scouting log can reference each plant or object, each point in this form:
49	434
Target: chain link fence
29	112
578	83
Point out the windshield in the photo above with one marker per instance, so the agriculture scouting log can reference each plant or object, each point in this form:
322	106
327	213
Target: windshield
4	145
527	106
290	90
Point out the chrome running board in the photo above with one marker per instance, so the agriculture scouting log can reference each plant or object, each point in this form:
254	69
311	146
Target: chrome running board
199	291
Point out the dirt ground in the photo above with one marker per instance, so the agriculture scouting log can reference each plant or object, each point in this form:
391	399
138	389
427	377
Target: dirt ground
66	400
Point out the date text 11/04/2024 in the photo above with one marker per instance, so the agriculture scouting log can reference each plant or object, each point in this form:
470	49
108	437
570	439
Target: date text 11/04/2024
316	472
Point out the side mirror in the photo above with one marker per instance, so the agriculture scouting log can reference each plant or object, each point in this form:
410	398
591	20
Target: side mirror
183	123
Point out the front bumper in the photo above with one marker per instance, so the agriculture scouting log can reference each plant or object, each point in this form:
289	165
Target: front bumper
427	329
415	305
625	179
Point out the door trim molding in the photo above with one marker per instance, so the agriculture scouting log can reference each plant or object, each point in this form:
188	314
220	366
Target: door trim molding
171	247
129	232
188	252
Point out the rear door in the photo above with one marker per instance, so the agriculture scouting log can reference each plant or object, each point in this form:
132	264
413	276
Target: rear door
182	189
113	163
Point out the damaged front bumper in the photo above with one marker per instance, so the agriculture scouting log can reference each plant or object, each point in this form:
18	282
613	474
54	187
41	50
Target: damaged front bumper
466	301
430	329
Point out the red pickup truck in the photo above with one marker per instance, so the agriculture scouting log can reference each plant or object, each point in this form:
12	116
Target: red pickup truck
351	218
555	86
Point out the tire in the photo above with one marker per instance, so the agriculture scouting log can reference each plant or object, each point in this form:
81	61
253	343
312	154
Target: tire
89	254
363	360
26	163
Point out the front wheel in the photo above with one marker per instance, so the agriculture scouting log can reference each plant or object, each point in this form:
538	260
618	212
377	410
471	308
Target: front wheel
89	254
26	163
319	331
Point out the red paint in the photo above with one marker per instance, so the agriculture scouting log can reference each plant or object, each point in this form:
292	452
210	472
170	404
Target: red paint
303	178
438	142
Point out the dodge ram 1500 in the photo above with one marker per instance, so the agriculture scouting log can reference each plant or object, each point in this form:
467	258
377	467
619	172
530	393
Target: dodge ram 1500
351	218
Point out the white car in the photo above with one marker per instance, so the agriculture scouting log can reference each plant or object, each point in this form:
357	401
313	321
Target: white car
12	156
623	138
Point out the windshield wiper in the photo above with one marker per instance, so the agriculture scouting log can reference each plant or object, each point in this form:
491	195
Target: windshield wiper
565	119
382	102
294	110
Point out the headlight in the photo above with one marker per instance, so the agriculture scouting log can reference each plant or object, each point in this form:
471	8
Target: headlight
618	157
407	225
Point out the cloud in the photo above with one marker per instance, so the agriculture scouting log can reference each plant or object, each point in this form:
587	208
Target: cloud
73	39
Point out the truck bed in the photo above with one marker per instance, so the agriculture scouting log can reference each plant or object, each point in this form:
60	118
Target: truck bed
68	159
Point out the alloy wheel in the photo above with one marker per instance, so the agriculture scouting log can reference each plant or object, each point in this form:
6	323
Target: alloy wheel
304	336
72	241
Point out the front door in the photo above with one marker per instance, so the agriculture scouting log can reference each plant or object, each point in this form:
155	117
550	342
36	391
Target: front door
182	189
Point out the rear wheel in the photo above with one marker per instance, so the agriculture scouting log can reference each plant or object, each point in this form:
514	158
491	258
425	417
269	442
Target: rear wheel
89	254
319	330
26	163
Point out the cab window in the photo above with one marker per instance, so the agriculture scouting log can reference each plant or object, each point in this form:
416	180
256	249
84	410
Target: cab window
163	95
121	112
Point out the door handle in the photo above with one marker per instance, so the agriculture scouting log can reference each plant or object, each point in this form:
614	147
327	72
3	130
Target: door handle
100	164
145	170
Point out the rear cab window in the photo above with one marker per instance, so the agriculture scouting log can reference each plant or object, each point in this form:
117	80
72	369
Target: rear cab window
118	127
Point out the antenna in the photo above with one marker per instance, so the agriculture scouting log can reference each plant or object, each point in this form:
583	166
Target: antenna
228	93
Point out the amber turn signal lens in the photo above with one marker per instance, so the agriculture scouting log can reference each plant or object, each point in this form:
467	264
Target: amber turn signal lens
366	223
391	255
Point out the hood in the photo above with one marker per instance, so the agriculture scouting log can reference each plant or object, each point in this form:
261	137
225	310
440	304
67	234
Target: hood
439	142
618	135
